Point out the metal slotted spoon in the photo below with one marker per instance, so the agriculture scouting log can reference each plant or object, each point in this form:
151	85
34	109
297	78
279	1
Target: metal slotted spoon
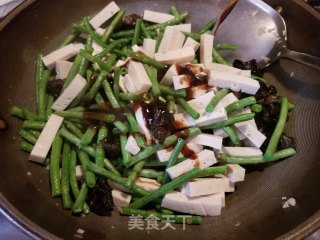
260	33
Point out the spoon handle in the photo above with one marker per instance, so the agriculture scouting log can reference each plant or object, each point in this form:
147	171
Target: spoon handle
303	58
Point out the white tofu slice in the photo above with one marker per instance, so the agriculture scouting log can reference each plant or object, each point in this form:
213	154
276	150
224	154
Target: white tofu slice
204	206
149	47
122	63
63	69
96	48
206	118
167	78
228	186
208	140
198	91
156	17
176	56
183	120
79	172
132	145
173	39
243	111
44	142
147	184
202	101
223	198
121	84
164	154
191	43
242	151
104	15
181	81
202	186
70	93
196	148
139	76
142	125
128	84
203	159
235	173
223	134
120	199
100	31
63	53
255	137
234	82
138	49
228	69
245	73
186	27
206	46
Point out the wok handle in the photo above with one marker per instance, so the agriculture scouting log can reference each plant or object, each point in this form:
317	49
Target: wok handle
303	58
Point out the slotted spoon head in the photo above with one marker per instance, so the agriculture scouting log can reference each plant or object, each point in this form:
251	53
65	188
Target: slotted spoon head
257	29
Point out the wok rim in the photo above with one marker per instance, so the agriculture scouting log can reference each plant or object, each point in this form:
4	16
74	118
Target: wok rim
33	230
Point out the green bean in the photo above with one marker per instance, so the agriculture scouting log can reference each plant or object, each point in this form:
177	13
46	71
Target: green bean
171	105
116	82
88	135
103	105
126	156
80	200
108	91
50	101
165	90
259	159
35	133
174	11
225	46
141	97
94	59
184	219
154	162
218	58
256	108
133	174
110	47
291	106
260	79
73	128
82	93
152	74
104	117
147	60
73	71
147	152
165	188
137	32
73	179
194	36
274	140
92	107
17	112
184	134
92	32
69	39
90	177
116	20
163	210
186	107
232	120
159	38
81	28
144	30
149	173
65	181
39	74
211	171
173	158
121	126
209	26
34	125
244	102
194	61
28	136
84	62
232	135
29	115
115	178
26	147
216	99
42	94
55	166
135	129
95	87
111	59
129	33
120	53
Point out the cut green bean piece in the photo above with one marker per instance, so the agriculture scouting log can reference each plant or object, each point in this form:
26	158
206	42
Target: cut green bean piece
91	32
147	60
216	99
147	152
34	125
140	97
165	90
186	107
137	32
73	128
274	140
174	11
133	174
69	39
211	171
50	101
183	219
244	102
226	46
184	134
73	71
116	20
109	93
30	115
89	176
43	95
232	120
28	136
172	108
291	106
165	188
260	79
17	112
80	200
26	147
88	136
121	126
232	135
55	166
256	108
110	47
95	88
159	38
116	83
126	156
218	58
209	26
152	74
150	173
94	59
144	30
65	177
104	117
39	74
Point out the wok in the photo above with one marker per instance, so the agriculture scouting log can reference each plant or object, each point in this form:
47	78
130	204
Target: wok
257	204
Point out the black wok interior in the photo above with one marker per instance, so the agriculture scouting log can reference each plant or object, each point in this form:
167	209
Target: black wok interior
257	203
